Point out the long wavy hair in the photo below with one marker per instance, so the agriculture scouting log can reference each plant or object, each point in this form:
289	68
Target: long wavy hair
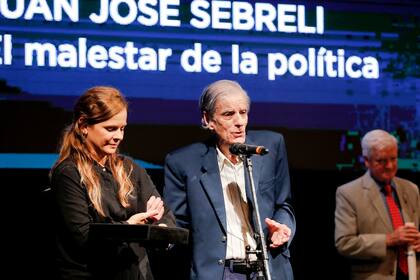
96	105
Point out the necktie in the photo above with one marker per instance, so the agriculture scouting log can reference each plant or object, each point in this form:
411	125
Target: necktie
397	221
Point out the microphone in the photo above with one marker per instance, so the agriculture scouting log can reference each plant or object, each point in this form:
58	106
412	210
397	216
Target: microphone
245	149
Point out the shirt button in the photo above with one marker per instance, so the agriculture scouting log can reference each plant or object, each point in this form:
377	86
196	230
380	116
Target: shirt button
220	262
224	238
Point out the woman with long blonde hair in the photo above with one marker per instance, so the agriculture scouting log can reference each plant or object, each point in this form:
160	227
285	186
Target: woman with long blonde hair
92	183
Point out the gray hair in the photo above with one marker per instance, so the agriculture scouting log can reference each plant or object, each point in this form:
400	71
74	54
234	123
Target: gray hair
377	139
212	93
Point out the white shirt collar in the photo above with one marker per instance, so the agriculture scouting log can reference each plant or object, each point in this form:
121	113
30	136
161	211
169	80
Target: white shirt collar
222	160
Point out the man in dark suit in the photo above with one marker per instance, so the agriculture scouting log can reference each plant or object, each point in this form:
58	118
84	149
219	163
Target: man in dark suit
372	211
206	187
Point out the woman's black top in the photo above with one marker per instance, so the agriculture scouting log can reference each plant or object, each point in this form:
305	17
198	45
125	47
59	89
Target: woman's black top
79	258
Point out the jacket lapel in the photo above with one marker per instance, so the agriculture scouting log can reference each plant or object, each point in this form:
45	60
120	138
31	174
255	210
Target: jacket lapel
377	200
212	185
403	199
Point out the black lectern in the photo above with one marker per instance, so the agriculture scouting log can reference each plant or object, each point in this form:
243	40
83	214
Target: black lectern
145	235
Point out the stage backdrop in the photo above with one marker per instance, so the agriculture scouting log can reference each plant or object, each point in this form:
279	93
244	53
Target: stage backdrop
321	73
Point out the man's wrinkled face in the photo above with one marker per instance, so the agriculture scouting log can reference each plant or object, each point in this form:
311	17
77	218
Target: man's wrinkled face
230	118
383	163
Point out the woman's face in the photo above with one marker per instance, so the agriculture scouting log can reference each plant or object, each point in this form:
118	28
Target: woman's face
104	138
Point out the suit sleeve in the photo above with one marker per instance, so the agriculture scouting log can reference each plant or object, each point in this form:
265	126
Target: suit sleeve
175	192
348	240
283	212
416	204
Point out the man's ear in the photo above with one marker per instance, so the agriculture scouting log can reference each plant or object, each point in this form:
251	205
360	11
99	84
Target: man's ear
206	120
366	161
210	122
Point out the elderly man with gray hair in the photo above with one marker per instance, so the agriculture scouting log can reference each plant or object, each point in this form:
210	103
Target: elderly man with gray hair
377	215
206	187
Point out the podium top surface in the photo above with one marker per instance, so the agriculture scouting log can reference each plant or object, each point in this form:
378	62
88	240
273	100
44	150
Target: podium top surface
145	235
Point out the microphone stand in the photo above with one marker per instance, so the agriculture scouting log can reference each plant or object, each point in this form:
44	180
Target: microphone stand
260	234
